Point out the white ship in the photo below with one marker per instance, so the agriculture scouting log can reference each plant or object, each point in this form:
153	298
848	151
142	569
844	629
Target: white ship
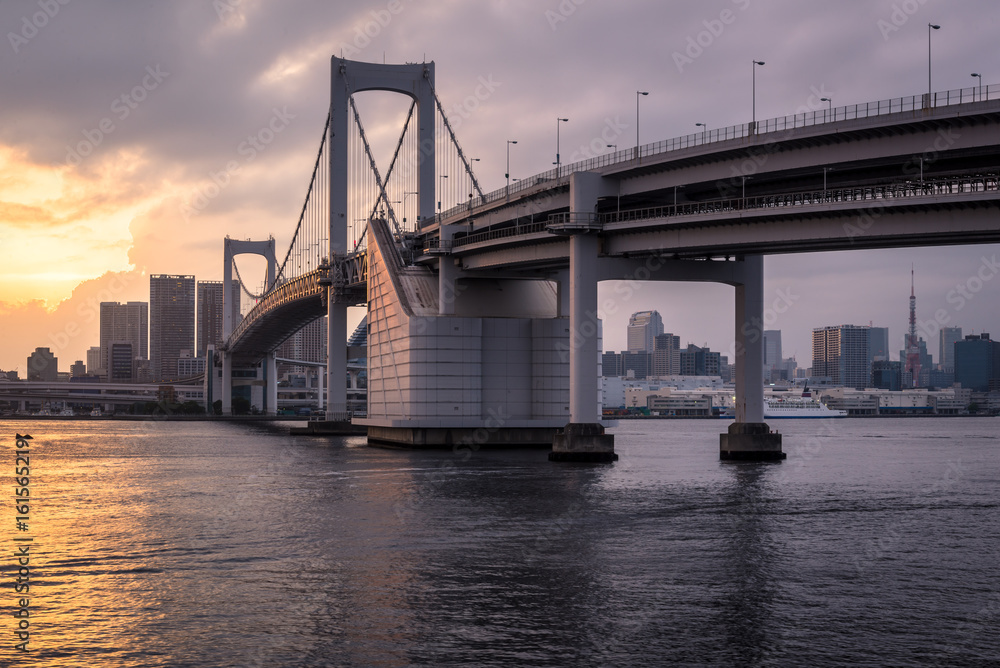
793	406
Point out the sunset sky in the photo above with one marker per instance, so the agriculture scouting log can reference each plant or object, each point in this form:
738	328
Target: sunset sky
115	115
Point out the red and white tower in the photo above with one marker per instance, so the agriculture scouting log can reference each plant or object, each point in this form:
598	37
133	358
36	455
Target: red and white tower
912	347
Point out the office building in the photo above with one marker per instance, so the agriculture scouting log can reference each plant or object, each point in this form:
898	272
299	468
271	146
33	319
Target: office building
925	361
887	375
43	366
666	355
171	320
77	369
948	337
697	361
643	328
611	364
121	362
211	299
124	322
308	345
977	363
841	354
878	343
94	360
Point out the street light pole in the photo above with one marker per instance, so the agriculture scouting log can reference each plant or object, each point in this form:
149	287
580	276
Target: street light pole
507	175
704	129
637	94
753	110
441	178
929	90
980	85
558	163
405	195
829	104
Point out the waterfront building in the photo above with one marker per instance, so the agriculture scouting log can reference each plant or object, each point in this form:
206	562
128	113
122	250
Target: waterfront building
171	318
840	353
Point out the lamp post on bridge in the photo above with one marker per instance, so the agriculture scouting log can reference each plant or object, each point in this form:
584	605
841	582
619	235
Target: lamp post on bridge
829	103
929	89
980	85
507	173
638	93
558	163
753	101
405	195
441	178
704	129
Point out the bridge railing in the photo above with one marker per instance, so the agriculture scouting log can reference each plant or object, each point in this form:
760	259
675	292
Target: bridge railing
903	190
781	124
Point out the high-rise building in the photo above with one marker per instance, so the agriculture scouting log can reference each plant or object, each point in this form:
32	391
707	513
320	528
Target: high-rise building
171	320
977	363
124	322
666	355
308	344
878	343
77	369
611	364
697	361
94	360
887	375
643	328
121	361
43	366
841	354
210	312
946	347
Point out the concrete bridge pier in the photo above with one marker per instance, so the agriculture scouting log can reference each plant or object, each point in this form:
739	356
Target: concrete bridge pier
749	438
336	355
227	383
583	439
271	384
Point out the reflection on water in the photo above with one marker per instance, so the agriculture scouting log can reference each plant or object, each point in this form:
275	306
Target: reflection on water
199	544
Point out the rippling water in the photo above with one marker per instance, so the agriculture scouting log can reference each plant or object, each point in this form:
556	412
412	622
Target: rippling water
202	544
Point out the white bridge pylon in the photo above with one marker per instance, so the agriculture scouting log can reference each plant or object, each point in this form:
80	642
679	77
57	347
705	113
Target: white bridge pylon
230	249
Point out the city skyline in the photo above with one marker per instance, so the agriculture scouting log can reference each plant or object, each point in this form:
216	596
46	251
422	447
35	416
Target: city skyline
152	195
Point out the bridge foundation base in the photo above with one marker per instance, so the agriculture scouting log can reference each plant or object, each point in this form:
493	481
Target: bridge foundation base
456	438
750	442
583	443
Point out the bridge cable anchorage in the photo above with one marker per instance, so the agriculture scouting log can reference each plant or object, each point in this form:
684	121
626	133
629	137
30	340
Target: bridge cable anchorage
458	147
309	192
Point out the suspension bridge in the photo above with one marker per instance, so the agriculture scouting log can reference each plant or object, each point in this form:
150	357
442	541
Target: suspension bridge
482	307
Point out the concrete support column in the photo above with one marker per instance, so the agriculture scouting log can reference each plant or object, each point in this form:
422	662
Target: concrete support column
562	294
447	274
750	342
320	377
583	344
336	360
749	438
227	383
583	439
271	387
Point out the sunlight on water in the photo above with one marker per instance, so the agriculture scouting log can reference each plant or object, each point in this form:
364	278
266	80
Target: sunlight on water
202	544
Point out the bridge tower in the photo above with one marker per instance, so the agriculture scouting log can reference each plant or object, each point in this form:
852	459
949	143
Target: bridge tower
347	78
232	248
